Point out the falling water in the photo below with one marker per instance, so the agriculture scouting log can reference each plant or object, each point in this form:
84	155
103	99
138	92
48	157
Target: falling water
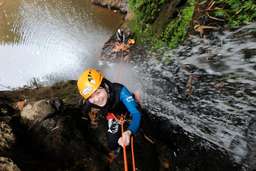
50	40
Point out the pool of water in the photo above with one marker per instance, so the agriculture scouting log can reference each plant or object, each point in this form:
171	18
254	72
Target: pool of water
51	40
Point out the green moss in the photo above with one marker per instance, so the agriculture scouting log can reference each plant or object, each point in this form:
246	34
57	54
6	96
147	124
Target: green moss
145	36
146	12
176	30
237	12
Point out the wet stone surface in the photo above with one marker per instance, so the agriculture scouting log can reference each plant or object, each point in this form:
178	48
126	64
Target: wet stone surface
6	164
7	138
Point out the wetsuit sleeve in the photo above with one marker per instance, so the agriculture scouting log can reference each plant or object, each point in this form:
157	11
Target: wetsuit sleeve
132	106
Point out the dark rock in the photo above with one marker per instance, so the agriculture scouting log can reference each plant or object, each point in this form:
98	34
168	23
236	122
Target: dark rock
6	109
7	138
36	112
6	164
60	136
249	53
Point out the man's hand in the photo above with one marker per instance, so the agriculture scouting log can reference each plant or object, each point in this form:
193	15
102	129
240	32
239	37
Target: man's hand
125	139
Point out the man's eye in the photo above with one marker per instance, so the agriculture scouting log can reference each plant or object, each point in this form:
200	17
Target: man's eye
98	92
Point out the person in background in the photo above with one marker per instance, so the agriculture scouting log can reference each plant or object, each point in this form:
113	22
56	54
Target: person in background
110	98
120	36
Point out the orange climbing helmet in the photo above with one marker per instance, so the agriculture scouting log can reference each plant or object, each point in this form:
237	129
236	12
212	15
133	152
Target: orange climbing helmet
89	81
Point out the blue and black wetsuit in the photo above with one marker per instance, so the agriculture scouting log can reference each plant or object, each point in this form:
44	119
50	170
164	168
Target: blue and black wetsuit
120	101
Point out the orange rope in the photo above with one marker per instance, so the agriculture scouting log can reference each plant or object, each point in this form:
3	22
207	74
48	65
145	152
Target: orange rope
121	121
124	148
133	158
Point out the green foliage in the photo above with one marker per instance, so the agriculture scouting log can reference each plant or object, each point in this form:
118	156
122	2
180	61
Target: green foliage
146	10
176	30
219	13
237	12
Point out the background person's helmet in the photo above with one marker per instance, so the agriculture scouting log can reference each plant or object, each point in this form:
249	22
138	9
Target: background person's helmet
89	81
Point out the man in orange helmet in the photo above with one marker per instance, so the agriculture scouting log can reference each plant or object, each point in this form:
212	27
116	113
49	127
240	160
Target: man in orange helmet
109	97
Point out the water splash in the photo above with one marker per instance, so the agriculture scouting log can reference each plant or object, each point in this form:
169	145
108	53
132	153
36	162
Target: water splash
52	39
222	77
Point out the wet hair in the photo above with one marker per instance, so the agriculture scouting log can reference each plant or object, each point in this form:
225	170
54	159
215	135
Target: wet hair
106	85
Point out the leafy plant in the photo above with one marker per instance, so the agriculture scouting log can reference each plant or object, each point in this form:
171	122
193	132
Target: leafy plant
146	10
176	30
237	12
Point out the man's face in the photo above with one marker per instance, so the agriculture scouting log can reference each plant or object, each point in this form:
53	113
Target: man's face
99	97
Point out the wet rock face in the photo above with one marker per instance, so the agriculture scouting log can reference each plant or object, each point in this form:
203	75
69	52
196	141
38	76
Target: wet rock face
36	111
7	164
203	99
59	134
7	138
122	5
251	162
184	105
6	111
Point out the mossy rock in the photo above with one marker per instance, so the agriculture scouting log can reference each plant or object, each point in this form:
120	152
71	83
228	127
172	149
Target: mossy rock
7	137
161	22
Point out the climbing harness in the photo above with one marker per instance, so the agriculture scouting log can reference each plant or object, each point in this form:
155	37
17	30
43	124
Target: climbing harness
121	120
